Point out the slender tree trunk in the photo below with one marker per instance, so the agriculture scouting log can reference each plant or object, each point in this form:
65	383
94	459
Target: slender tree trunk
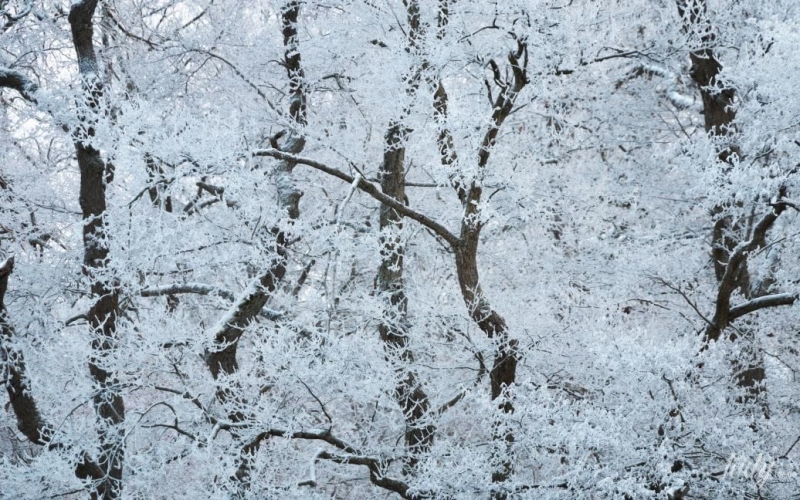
393	329
222	360
491	323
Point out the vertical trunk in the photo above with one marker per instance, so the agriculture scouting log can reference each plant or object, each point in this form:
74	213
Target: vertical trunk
718	111
393	329
718	115
506	355
504	366
94	173
29	419
719	119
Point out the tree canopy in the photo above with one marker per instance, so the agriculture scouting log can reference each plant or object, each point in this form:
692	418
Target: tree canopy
403	249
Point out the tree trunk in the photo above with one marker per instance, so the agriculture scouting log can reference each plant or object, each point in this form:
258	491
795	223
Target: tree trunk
393	328
102	316
221	360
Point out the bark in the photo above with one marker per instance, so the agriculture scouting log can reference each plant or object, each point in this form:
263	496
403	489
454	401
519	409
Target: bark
393	329
718	114
465	246
728	255
19	82
158	182
503	373
106	473
748	366
102	315
366	187
718	111
222	360
29	420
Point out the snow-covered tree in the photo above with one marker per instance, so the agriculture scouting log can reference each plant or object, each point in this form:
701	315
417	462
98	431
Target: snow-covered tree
416	249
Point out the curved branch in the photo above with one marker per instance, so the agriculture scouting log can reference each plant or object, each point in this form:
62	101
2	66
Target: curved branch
15	80
723	314
29	419
775	300
354	456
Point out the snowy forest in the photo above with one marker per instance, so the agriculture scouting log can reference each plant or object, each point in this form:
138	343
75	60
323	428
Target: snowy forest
418	249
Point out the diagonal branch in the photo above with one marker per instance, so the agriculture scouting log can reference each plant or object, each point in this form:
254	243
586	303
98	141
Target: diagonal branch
723	314
367	187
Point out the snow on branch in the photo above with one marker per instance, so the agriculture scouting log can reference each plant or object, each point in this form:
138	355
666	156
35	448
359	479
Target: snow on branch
15	80
775	300
366	187
724	314
197	288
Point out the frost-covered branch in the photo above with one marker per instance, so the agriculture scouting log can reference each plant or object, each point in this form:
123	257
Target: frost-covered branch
196	288
737	262
366	187
775	300
375	466
15	80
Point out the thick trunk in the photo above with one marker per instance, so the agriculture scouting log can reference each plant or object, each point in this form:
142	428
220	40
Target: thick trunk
102	316
222	359
730	268
718	111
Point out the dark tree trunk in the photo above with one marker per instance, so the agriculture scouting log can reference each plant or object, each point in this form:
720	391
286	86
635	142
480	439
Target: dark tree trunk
393	329
29	420
102	316
222	360
492	324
